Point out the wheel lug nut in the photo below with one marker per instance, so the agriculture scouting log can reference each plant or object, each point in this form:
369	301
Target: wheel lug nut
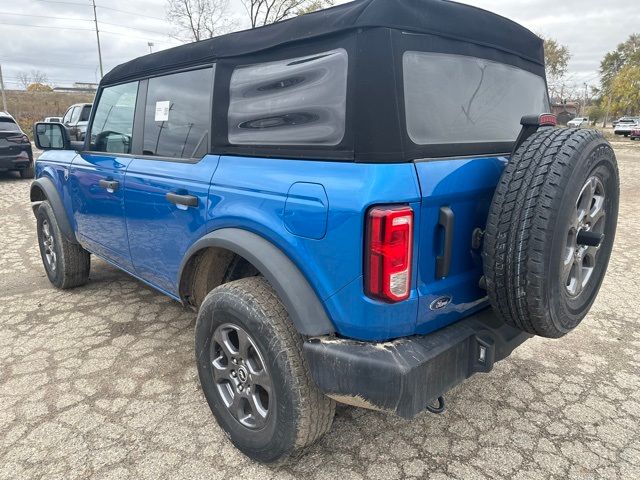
234	374
240	388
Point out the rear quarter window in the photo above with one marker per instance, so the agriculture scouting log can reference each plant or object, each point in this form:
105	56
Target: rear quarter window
299	101
452	99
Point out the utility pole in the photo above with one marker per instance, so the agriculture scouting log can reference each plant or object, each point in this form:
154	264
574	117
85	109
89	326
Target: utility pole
4	98
584	113
95	19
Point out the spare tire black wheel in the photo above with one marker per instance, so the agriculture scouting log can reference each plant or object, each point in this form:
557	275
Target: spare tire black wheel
550	230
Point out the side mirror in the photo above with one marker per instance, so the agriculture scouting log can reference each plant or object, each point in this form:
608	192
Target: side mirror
51	136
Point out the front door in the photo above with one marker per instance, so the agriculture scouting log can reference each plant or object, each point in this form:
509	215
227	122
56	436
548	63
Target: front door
97	177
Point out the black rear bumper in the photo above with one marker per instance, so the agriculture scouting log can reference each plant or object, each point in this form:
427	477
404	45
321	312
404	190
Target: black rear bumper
405	375
9	160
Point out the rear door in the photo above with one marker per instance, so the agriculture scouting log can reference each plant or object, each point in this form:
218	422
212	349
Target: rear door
97	176
456	103
456	196
167	185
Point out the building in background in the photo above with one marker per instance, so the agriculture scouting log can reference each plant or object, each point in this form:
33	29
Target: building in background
78	87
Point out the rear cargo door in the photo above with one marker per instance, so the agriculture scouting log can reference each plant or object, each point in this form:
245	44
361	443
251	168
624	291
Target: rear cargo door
456	195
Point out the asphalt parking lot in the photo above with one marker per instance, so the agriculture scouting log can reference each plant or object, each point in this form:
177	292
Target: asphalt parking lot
100	382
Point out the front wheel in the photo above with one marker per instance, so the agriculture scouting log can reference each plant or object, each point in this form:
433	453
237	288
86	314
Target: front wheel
67	264
253	373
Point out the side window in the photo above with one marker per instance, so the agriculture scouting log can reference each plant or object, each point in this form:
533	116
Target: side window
75	116
113	122
300	101
67	115
178	114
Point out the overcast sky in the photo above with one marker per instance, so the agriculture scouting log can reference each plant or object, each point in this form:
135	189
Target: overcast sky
57	37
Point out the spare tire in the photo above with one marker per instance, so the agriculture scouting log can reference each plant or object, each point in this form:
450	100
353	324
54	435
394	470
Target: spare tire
550	230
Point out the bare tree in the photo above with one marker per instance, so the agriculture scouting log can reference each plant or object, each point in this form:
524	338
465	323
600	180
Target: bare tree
314	6
199	19
24	79
38	76
264	12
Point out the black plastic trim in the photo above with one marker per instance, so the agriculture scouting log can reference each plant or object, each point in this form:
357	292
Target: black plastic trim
406	375
51	194
302	303
446	221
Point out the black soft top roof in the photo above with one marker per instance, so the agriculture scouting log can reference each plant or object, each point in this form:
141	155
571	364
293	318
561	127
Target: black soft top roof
437	17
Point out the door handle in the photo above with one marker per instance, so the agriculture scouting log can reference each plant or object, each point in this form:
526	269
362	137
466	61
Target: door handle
446	221
182	200
109	185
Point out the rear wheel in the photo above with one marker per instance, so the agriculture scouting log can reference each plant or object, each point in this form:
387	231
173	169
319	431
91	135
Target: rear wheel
550	230
253	372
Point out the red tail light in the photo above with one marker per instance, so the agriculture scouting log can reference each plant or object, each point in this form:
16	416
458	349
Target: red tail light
547	120
389	251
18	139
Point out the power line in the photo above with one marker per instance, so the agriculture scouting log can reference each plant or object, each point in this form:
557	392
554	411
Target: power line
86	30
64	3
132	13
55	64
46	26
134	28
137	14
84	20
46	16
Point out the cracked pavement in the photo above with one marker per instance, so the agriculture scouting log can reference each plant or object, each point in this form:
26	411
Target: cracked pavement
101	382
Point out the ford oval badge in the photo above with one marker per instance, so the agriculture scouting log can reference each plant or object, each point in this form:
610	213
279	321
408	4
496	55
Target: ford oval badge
440	302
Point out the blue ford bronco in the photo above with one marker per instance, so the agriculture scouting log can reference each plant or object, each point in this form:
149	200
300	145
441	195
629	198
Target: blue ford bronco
365	205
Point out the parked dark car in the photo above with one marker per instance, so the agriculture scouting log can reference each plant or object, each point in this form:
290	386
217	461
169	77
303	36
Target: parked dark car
76	119
15	148
342	197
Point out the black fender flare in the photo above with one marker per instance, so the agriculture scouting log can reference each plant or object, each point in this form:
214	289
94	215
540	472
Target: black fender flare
303	305
44	187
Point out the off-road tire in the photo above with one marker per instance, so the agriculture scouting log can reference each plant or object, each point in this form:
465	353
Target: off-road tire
301	413
72	262
525	243
28	172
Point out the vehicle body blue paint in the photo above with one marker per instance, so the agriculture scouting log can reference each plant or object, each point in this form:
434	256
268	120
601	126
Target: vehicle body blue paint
313	211
306	210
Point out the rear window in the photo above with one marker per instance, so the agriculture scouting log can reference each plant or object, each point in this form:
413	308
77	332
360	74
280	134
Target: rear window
451	99
86	113
8	125
300	101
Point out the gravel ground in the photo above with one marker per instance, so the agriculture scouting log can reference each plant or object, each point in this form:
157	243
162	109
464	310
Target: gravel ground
100	382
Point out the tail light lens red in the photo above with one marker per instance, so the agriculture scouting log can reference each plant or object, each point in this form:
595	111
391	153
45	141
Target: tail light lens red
547	120
18	139
389	250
